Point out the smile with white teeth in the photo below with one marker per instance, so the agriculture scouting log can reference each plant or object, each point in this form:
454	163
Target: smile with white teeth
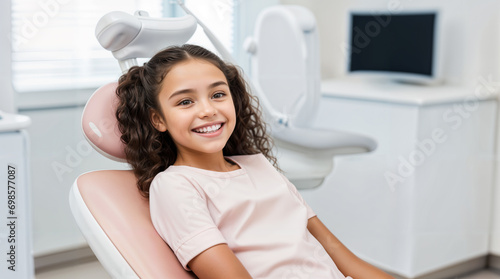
208	129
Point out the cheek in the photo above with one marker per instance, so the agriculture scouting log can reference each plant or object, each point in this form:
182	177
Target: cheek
233	107
232	112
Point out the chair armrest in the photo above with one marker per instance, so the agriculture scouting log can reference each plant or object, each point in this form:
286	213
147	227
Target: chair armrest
320	139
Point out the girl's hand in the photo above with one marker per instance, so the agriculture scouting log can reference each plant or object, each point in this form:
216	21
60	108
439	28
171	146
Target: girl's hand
218	262
348	263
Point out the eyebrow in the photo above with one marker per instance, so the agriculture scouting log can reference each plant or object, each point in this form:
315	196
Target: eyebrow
189	90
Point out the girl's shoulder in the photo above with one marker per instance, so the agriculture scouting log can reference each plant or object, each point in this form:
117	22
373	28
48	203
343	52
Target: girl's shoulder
256	163
169	176
172	181
258	158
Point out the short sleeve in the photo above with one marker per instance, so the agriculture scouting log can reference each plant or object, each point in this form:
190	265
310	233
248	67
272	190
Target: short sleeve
295	192
180	216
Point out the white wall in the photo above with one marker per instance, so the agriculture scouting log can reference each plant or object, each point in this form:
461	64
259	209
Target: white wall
470	33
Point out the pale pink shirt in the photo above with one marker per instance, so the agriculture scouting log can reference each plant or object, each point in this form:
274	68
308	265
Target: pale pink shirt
255	210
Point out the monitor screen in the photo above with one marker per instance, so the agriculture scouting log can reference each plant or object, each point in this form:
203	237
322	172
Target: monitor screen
393	43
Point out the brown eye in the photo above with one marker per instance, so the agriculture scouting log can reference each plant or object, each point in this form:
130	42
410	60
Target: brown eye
219	95
185	102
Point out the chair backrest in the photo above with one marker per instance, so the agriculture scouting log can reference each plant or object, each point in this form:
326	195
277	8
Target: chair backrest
111	213
285	65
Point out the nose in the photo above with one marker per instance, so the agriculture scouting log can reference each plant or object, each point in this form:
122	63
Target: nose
207	109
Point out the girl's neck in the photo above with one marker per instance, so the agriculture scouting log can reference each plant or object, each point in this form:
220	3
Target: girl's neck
212	162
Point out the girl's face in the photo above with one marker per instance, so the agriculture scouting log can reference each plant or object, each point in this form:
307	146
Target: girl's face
196	108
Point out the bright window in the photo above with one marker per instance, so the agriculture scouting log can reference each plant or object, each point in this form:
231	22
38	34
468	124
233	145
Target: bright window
54	46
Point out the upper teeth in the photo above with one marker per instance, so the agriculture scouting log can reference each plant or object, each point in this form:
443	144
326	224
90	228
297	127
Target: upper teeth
209	129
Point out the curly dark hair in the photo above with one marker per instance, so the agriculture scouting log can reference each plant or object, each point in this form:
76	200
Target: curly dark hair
150	151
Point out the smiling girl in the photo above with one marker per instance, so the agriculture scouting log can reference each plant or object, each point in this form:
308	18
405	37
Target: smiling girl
197	144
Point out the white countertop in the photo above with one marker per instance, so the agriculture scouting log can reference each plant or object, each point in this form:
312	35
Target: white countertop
410	94
13	122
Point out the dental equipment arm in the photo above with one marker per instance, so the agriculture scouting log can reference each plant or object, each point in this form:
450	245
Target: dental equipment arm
226	55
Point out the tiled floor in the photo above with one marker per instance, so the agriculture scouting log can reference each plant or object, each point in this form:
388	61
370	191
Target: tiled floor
95	271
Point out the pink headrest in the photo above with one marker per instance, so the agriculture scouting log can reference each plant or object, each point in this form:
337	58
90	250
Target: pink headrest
99	123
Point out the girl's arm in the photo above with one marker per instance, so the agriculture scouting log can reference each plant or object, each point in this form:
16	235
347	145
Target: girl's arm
348	263
218	262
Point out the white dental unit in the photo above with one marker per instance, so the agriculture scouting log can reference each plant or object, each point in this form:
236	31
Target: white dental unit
285	74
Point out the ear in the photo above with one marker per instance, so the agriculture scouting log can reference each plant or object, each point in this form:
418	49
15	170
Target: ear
158	121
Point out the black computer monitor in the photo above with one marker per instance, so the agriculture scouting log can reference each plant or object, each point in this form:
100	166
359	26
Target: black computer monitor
402	47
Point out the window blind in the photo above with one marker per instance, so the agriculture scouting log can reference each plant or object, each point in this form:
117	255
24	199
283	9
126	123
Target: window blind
54	46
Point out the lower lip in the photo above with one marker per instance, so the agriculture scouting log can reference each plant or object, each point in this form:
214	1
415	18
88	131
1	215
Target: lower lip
211	135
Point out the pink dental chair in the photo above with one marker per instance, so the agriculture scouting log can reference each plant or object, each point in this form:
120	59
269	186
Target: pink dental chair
107	206
110	211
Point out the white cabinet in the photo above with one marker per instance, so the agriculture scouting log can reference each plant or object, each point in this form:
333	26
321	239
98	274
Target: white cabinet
421	201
